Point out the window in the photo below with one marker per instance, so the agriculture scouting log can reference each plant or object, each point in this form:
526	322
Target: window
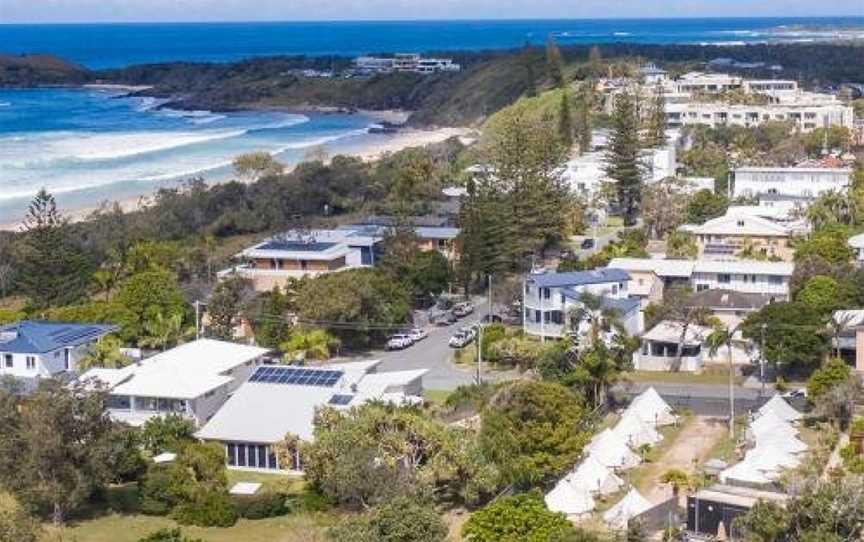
547	293
724	278
31	362
775	279
8	360
701	287
241	455
67	361
232	454
537	316
614	289
146	403
262	457
119	402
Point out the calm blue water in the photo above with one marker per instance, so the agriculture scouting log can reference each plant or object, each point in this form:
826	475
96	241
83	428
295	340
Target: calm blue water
113	45
86	146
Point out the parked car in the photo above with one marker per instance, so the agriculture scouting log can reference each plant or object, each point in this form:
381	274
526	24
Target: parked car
443	318
588	244
492	318
463	309
418	334
398	342
459	340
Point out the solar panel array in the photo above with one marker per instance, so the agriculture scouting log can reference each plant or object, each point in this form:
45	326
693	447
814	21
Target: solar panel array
70	334
300	376
340	400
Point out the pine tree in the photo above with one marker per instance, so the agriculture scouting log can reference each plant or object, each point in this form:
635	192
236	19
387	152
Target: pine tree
595	62
583	122
528	59
622	158
554	63
656	121
565	121
53	270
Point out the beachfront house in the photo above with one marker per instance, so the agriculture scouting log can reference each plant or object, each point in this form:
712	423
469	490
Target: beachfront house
674	346
552	299
192	380
280	401
801	182
293	255
31	350
729	306
731	236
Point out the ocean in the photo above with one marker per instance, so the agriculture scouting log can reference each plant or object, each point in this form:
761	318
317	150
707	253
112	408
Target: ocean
88	145
116	45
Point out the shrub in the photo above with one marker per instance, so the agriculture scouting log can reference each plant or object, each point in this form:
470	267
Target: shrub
158	493
122	499
263	505
206	508
168	535
310	500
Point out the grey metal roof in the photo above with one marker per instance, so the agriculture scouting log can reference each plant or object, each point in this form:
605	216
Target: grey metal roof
579	278
296	246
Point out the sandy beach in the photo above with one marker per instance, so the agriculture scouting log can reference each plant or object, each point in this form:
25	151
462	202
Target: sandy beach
374	151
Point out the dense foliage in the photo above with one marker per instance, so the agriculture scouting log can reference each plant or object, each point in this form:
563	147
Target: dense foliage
519	518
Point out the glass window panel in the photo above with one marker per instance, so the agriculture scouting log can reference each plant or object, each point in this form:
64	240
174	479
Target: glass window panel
241	455
262	457
232	454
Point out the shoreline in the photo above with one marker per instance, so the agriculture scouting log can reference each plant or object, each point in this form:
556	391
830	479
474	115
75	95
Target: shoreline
371	152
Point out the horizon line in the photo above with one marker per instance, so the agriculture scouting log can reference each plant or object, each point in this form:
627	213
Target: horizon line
433	20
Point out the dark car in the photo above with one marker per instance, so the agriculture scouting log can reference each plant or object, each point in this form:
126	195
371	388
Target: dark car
588	244
444	318
492	318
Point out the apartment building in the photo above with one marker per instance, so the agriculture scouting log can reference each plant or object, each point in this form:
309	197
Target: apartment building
807	116
806	182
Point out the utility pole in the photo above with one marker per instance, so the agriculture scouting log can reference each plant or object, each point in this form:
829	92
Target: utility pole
731	390
197	305
762	360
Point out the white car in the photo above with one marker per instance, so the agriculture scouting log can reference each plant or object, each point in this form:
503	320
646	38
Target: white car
398	342
460	339
418	334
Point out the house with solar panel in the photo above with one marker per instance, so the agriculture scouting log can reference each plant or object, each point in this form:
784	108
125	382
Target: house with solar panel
192	380
551	301
30	350
281	400
293	255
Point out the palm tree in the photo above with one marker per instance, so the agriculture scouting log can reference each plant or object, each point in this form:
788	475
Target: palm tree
163	331
315	344
104	353
722	336
677	479
592	311
838	324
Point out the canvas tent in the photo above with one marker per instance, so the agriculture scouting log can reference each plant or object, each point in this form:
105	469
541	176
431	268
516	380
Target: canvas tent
611	450
770	423
781	409
593	477
635	432
627	508
780	441
569	500
770	459
651	408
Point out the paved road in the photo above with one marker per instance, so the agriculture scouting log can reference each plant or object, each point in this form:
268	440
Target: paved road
702	399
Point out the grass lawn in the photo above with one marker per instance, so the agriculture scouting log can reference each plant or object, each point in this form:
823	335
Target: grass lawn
641	476
301	527
270	482
436	396
648	377
725	447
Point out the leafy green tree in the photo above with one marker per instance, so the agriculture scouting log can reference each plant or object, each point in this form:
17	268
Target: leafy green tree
271	326
63	444
833	372
398	520
52	269
794	335
622	158
830	243
518	518
681	245
354	305
103	353
824	294
309	344
163	331
145	296
533	431
429	274
229	300
16	524
677	479
655	135
169	433
554	63
664	206
705	205
253	166
766	521
168	535
708	160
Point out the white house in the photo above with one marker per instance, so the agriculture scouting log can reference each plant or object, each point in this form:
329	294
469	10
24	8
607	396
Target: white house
672	346
727	236
747	276
857	244
192	380
31	349
282	400
550	299
793	181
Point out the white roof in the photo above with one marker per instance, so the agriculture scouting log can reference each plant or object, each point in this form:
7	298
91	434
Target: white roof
594	477
741	225
569	500
263	412
626	509
784	442
744	472
611	450
165	457
185	372
662	268
780	408
742	267
849	318
636	432
651	408
770	459
670	331
769	421
857	241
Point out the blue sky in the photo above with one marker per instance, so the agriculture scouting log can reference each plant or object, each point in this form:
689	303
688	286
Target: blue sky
227	10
